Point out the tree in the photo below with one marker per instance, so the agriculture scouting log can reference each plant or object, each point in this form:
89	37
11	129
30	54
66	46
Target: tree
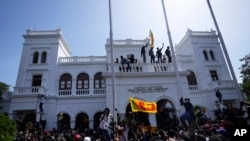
3	88
8	128
245	74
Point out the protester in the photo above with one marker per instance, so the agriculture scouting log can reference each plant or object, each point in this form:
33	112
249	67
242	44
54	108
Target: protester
105	121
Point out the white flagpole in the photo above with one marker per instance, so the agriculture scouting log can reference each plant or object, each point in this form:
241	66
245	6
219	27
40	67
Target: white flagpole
112	63
173	53
225	52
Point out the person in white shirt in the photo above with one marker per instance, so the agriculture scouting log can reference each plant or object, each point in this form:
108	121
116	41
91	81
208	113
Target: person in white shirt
105	121
41	98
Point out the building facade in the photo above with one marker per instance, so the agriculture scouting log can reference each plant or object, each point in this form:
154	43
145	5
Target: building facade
78	88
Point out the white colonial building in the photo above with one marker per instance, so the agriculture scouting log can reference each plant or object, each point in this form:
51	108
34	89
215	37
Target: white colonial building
80	87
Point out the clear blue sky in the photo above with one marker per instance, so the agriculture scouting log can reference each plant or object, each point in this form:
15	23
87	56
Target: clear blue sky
85	25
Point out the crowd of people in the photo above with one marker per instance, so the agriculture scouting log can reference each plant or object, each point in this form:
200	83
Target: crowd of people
199	128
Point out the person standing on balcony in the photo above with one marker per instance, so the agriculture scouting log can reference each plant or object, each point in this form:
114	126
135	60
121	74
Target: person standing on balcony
168	54
152	55
131	58
159	54
41	98
143	53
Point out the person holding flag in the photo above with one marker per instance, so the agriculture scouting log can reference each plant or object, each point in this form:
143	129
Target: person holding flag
143	53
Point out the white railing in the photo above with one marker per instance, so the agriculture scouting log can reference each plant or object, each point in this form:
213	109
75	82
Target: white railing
82	92
76	59
100	91
128	42
42	32
29	90
202	33
64	93
141	67
193	87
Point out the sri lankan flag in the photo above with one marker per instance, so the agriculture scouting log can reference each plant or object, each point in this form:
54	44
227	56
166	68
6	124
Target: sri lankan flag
151	39
142	106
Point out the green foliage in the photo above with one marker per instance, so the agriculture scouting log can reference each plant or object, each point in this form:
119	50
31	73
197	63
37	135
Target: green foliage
4	87
245	74
8	128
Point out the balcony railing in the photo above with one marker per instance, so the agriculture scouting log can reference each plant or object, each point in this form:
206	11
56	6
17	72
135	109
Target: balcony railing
193	87
100	91
82	92
77	60
141	67
64	93
41	90
29	90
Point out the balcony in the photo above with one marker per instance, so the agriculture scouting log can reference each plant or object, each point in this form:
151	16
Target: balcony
193	87
29	90
133	67
80	60
82	92
141	67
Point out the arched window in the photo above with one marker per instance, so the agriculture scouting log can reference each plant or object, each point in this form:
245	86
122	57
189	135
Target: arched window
191	78
98	81
82	121
166	115
82	81
44	57
205	55
211	54
65	82
35	57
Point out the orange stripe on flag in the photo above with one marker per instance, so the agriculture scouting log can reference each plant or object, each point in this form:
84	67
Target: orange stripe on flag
142	106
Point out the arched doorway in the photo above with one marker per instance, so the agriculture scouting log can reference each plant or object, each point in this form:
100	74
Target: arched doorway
82	121
166	117
97	117
136	117
29	122
63	120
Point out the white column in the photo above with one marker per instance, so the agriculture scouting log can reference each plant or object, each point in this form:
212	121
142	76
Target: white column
91	86
72	123
152	119
73	87
91	123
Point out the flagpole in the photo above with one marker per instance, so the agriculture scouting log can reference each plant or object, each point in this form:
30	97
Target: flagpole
172	51
112	63
225	51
